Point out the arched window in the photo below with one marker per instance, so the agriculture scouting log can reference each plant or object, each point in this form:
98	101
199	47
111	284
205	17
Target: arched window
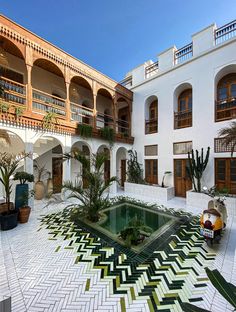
185	101
151	123
226	98
183	116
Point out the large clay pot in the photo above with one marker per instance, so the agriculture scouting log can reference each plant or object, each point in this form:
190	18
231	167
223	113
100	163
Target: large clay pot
39	190
49	187
22	191
24	213
4	208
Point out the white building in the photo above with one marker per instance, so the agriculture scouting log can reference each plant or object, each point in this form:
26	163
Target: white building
180	102
173	105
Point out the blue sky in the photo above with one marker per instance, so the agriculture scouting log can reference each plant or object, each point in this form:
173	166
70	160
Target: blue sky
116	36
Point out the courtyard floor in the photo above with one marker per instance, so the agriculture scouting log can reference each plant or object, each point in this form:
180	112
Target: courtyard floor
49	264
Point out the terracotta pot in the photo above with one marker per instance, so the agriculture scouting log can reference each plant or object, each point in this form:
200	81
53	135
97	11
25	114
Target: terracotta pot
39	190
24	213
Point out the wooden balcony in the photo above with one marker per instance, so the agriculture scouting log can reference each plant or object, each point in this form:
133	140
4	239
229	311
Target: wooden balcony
15	96
14	92
183	119
44	102
151	126
225	109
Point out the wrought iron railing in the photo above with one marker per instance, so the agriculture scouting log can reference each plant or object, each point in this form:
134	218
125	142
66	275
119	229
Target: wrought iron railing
225	32
184	53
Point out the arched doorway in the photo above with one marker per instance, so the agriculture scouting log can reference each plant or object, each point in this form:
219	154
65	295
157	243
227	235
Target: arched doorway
78	173
47	153
121	167
107	164
151	120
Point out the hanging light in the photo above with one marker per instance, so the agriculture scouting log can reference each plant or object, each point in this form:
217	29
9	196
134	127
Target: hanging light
3	56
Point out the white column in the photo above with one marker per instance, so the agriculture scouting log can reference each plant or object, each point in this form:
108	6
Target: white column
113	187
67	166
29	167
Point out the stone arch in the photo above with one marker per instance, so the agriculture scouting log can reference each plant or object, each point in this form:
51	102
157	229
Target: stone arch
177	92
121	164
12	61
48	77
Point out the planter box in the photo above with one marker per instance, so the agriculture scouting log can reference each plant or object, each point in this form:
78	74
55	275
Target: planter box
154	191
200	200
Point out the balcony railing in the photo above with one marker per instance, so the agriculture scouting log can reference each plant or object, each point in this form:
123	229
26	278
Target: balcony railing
14	92
183	119
226	109
151	70
45	102
184	53
104	120
151	126
123	127
225	32
81	114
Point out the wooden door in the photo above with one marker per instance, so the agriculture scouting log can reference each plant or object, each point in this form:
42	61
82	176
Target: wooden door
123	172
225	174
151	171
182	180
107	170
57	174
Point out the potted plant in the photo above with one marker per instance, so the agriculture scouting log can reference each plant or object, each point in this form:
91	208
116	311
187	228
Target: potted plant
85	130
108	134
23	187
8	166
25	209
39	185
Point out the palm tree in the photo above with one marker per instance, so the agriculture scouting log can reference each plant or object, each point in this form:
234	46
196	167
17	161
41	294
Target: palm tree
228	135
91	199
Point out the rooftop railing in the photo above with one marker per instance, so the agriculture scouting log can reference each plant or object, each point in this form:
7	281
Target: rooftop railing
184	53
127	82
225	32
151	70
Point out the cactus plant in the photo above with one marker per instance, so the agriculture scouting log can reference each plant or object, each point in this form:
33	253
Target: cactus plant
197	165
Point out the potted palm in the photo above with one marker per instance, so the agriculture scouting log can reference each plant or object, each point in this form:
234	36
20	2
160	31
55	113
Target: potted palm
39	185
22	188
8	166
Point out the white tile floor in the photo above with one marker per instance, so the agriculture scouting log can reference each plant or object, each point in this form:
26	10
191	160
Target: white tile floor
40	279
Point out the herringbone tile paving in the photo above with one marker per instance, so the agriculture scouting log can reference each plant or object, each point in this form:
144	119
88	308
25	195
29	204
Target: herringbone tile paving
54	265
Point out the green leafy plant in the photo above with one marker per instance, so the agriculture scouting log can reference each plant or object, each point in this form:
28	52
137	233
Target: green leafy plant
18	112
92	198
107	133
8	166
4	107
197	165
40	170
135	171
226	289
49	121
85	130
23	177
163	179
132	234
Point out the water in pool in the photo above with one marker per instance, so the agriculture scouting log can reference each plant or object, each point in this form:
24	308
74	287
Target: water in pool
119	217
